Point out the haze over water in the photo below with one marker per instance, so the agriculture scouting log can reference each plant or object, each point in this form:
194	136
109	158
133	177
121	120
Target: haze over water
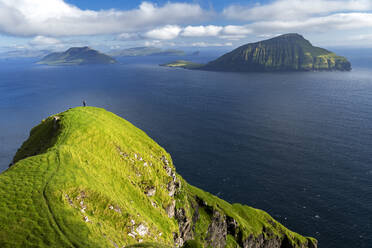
297	145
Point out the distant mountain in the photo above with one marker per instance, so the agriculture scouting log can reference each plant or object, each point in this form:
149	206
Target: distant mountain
289	52
77	56
145	51
24	53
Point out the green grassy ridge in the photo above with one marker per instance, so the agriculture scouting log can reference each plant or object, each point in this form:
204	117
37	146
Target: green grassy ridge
81	181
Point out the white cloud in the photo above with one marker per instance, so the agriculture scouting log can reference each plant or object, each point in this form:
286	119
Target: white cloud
281	16
294	9
361	37
236	30
45	20
232	37
57	18
158	43
167	32
201	31
343	21
233	32
171	32
153	43
44	41
128	36
207	44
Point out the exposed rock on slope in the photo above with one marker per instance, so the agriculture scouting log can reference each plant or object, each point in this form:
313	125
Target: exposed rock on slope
88	178
289	52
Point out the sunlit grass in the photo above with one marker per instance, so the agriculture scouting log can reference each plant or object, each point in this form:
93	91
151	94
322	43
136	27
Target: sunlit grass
81	181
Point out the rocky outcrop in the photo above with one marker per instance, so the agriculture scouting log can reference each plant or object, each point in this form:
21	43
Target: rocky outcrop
185	226
150	191
273	242
170	209
217	230
222	225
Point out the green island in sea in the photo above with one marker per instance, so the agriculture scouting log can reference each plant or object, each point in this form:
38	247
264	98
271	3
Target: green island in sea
77	56
289	52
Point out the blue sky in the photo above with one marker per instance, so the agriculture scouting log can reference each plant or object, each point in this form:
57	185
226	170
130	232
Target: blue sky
117	24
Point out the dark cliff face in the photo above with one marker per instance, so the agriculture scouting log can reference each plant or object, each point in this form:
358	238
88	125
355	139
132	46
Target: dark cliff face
225	231
289	52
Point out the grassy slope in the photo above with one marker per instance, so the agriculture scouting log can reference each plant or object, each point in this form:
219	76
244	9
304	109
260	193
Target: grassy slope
96	165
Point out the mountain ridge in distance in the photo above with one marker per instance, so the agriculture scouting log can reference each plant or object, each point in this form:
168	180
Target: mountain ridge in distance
24	53
146	51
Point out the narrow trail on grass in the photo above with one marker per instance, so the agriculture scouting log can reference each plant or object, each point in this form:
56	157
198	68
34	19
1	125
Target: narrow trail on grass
53	220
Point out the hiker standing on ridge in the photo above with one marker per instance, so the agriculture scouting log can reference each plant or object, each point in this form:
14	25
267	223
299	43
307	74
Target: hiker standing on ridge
84	103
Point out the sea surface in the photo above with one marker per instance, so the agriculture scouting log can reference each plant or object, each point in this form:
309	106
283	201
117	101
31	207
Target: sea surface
297	145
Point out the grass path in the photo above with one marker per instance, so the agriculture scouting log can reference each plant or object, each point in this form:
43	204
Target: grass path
53	220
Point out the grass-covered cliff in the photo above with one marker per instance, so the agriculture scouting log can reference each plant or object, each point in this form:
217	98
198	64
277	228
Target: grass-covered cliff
88	178
289	52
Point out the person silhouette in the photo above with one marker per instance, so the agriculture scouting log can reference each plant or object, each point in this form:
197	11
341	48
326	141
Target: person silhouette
84	103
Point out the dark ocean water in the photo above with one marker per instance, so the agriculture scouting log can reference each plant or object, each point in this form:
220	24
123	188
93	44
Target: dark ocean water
297	145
